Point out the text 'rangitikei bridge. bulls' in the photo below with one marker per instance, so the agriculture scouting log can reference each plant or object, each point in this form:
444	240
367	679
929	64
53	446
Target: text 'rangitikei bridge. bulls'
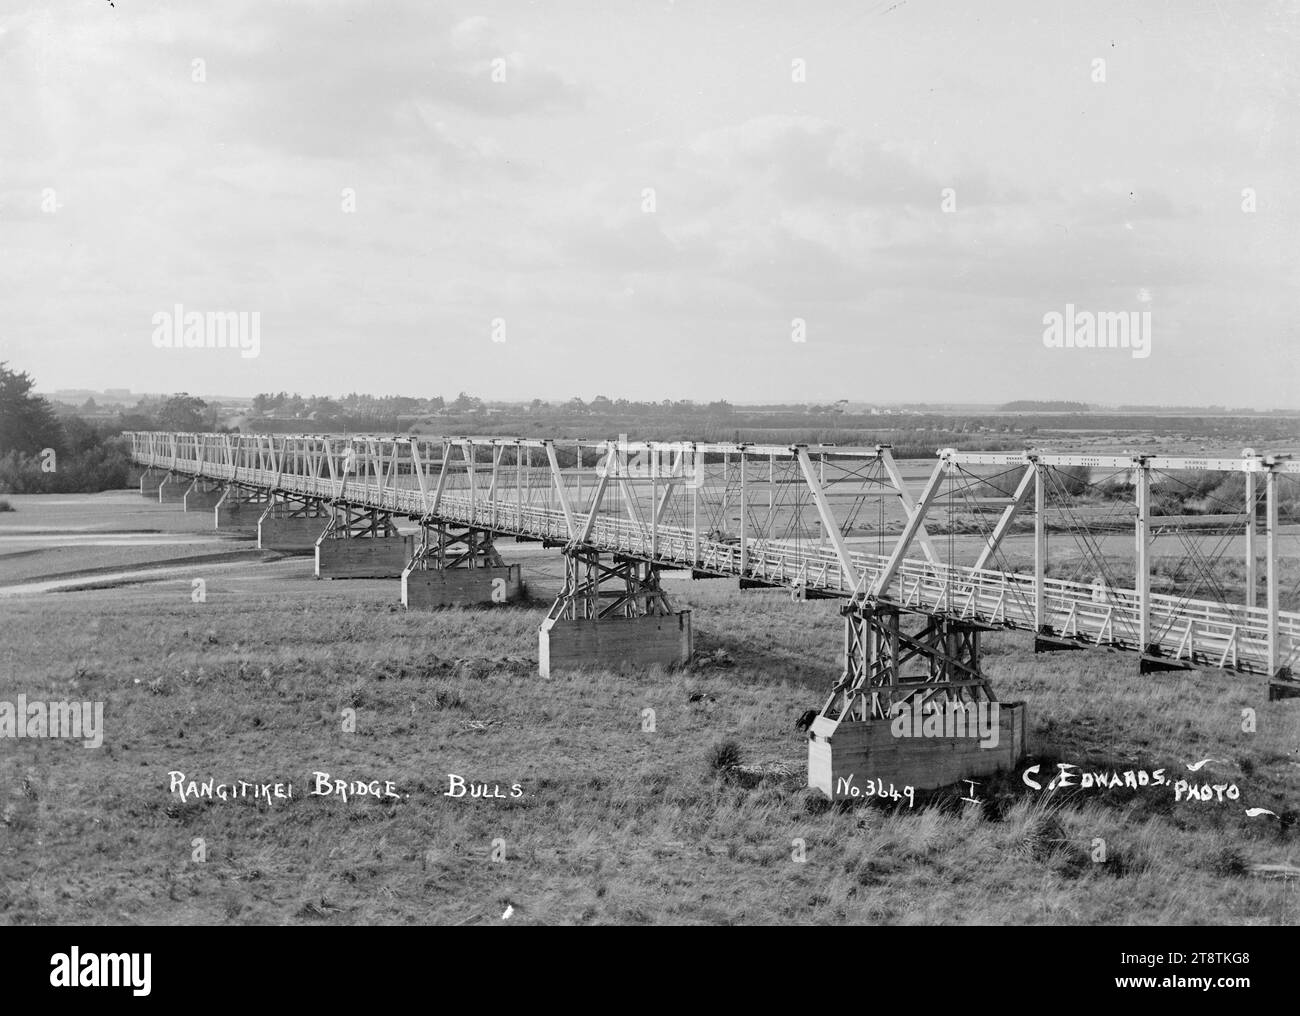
926	556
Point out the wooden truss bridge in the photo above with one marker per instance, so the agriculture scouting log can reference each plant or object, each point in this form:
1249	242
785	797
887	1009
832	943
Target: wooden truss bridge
1066	546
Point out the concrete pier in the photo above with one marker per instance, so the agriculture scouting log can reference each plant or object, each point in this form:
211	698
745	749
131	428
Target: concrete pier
431	588
363	557
843	757
614	643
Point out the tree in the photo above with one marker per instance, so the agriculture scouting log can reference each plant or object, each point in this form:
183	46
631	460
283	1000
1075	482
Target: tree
80	437
183	412
27	421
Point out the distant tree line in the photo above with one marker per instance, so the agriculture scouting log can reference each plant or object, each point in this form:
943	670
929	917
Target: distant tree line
44	450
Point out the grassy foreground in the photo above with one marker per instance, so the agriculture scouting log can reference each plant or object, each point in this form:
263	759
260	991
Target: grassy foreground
614	823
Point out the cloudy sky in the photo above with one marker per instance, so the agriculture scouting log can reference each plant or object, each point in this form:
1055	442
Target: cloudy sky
647	195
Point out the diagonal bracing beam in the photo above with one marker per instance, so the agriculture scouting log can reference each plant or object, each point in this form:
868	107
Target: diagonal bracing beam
1024	492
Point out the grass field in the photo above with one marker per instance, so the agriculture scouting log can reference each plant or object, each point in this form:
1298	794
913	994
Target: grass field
613	823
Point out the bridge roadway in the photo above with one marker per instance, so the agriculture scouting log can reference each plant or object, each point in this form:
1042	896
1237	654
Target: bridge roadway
425	480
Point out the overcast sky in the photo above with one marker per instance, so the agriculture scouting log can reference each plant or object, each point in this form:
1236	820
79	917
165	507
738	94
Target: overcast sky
127	186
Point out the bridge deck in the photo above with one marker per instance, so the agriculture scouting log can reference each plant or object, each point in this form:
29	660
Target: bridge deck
1200	632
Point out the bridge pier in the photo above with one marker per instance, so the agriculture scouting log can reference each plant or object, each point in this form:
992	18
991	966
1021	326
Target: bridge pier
912	708
202	494
612	616
361	543
457	566
291	523
240	507
173	487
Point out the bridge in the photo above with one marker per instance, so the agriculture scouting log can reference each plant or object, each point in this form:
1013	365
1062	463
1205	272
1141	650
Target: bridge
1025	540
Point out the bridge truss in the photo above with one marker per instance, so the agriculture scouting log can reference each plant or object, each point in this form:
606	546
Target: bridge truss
1020	540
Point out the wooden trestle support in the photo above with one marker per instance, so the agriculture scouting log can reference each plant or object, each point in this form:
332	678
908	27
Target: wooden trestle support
457	566
361	543
912	707
611	615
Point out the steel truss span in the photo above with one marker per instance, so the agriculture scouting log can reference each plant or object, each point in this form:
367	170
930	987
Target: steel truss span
785	515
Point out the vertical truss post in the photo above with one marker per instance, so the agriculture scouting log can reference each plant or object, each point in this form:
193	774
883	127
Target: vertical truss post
744	518
467	449
655	506
1252	549
1271	578
1040	548
1142	533
695	515
519	486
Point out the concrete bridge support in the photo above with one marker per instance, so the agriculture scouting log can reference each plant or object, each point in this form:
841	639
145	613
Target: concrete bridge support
202	494
912	708
292	523
361	543
455	566
173	488
611	616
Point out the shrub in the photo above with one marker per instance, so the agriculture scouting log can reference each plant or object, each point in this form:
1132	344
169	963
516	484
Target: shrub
102	467
722	756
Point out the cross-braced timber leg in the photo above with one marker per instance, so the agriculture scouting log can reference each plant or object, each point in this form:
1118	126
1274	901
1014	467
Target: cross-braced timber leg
458	566
445	546
348	522
885	665
612	615
628	587
288	505
361	543
928	665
